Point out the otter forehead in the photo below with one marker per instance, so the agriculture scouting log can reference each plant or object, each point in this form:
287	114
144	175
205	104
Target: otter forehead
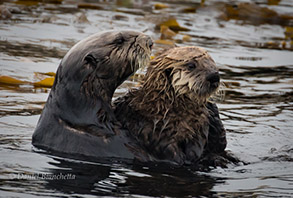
98	40
186	53
108	37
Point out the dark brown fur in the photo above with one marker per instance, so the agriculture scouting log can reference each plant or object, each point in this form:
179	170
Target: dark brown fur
170	116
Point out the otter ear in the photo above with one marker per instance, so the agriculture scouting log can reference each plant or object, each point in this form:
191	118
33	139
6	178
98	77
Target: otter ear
91	60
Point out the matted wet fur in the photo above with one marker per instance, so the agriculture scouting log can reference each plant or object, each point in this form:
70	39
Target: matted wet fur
77	118
170	115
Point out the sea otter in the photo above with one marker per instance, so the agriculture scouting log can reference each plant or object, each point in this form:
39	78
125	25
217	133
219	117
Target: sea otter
78	118
170	116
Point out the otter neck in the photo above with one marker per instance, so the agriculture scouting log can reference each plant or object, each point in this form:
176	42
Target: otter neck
106	92
101	89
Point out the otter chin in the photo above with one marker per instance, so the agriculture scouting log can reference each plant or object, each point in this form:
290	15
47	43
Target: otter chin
78	118
170	115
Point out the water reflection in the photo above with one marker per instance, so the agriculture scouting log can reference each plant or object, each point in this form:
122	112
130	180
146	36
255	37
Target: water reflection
29	50
132	179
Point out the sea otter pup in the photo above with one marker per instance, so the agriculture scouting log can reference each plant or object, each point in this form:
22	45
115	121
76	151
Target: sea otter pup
170	115
78	118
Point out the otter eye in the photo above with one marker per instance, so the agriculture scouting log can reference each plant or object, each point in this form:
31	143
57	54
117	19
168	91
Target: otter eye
191	65
168	72
119	40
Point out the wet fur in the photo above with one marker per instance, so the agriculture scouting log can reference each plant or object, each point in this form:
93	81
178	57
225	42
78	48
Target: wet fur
77	118
170	116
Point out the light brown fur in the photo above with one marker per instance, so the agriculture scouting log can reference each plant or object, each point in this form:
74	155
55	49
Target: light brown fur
167	115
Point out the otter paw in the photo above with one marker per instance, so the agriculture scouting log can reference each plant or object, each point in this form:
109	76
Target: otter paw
213	160
171	152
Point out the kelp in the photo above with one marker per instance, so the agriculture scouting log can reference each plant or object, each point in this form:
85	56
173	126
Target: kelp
10	81
172	24
255	14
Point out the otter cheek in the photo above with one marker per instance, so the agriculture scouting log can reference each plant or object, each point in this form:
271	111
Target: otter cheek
124	75
192	83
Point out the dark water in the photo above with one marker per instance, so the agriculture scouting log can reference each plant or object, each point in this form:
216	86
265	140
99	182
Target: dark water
253	47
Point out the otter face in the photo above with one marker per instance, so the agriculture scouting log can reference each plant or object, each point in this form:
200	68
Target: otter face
193	72
120	55
105	60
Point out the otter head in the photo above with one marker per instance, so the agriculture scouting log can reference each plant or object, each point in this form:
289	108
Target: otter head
190	71
91	71
98	64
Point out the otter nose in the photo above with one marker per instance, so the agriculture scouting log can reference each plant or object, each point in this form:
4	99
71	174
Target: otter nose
213	78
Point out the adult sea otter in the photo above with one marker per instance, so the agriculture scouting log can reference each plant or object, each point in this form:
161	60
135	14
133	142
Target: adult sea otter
77	118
